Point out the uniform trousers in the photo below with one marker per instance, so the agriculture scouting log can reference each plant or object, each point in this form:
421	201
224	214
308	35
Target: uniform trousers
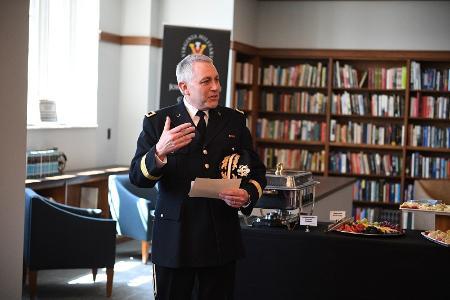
205	283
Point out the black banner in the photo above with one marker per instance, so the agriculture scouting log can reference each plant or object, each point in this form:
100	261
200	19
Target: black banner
179	42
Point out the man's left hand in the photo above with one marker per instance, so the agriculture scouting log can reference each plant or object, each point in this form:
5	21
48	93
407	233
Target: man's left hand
235	197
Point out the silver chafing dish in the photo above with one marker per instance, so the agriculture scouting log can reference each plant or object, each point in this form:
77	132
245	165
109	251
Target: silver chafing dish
286	195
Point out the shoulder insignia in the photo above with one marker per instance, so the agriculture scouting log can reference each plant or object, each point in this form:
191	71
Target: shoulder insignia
239	111
152	113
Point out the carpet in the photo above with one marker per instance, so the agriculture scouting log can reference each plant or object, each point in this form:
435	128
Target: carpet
132	279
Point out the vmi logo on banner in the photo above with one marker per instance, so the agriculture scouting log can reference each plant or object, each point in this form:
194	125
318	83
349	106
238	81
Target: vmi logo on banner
179	42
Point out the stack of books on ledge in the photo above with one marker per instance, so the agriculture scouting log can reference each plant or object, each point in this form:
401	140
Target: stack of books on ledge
42	163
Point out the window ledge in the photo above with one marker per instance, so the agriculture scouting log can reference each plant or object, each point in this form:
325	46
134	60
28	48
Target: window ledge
49	125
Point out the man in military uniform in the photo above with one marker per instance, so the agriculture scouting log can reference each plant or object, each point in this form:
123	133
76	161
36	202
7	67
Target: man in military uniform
196	238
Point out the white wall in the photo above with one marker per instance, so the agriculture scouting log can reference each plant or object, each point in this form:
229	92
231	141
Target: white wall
89	147
134	78
13	99
111	16
134	74
406	25
141	65
136	17
129	78
85	148
244	21
216	14
154	82
109	62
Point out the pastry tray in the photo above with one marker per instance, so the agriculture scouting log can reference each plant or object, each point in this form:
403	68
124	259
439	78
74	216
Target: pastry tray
435	212
424	234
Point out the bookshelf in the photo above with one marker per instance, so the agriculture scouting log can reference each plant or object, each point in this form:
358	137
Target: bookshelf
382	117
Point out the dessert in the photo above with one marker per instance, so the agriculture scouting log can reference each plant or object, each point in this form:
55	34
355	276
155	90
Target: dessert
439	235
365	227
424	205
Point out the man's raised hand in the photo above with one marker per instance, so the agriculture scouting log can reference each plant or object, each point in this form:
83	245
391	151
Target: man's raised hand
174	139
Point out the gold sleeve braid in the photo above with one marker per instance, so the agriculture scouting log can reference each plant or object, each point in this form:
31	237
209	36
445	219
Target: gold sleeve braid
257	185
145	171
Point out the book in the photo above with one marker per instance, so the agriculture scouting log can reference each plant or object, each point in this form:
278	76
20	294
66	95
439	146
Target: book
363	79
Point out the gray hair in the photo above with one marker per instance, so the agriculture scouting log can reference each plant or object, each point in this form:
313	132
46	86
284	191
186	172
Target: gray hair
184	67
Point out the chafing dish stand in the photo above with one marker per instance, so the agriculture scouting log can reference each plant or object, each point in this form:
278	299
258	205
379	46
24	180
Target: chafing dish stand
286	194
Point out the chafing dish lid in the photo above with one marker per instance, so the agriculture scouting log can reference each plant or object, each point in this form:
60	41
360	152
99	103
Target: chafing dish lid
288	179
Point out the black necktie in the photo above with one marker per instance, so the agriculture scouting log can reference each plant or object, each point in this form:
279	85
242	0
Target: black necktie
201	125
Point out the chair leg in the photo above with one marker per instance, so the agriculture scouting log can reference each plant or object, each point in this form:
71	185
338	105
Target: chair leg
144	251
94	273
32	282
109	281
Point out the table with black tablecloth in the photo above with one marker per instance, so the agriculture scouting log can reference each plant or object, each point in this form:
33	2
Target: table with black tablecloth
283	264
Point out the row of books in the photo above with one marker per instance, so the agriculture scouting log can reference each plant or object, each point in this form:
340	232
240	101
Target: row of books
430	107
306	75
42	163
294	159
409	192
293	130
360	163
347	104
244	98
294	102
303	75
377	214
377	191
390	79
346	77
429	136
244	72
366	133
429	167
430	79
377	77
358	104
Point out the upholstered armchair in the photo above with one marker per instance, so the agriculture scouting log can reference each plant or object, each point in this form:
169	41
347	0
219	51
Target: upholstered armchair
58	236
133	209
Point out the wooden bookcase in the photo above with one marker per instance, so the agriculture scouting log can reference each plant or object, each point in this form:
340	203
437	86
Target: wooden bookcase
377	136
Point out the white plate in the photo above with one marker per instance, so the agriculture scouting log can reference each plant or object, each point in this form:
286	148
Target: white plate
424	234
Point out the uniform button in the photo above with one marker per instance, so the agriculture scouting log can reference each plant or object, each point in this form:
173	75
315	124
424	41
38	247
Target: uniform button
162	215
207	166
232	149
205	151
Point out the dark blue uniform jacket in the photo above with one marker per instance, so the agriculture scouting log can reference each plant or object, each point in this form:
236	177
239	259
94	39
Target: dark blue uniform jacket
195	232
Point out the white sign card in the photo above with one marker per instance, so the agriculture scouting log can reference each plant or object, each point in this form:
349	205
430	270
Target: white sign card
337	215
308	220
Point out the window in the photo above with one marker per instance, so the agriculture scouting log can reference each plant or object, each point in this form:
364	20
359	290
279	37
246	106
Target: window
63	63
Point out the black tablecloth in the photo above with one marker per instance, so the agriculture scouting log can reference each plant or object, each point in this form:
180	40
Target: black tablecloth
283	264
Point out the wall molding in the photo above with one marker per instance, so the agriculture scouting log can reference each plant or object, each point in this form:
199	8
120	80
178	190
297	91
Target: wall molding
129	40
286	53
340	53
